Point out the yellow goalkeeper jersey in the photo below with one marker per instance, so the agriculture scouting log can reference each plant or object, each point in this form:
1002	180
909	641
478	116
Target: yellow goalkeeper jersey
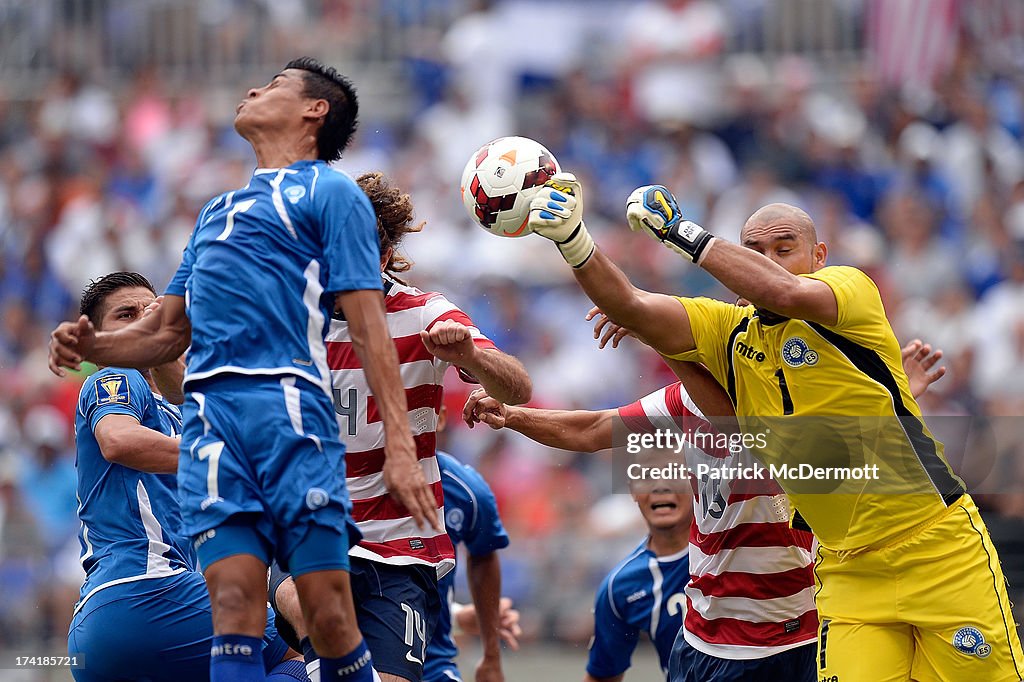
836	400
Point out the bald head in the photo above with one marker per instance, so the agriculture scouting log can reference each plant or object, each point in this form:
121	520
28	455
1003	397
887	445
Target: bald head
786	234
782	214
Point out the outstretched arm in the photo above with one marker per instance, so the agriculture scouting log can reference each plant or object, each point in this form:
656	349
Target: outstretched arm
557	214
501	375
403	476
660	320
766	284
654	211
155	339
576	430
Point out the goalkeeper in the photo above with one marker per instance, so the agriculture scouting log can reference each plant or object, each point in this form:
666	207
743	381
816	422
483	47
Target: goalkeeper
816	343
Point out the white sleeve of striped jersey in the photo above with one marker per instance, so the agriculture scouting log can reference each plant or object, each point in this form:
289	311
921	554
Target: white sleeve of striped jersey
656	404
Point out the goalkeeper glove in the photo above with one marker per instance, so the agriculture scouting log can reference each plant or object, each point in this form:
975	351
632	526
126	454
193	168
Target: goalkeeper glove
556	213
653	210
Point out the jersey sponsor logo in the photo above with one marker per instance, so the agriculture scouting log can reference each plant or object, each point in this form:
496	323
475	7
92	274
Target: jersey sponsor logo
230	649
416	543
749	352
969	640
113	389
796	352
639	594
317	498
203	537
454	518
294	193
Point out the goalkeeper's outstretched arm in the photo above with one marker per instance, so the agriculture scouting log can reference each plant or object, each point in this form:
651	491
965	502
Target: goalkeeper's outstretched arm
557	214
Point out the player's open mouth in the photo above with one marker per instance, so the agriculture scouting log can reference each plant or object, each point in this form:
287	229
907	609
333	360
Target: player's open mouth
663	505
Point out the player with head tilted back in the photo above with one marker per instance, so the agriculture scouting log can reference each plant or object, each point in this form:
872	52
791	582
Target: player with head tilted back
826	379
396	565
144	612
261	461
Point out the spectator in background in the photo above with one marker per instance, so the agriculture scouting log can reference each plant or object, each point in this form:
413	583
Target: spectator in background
49	481
672	58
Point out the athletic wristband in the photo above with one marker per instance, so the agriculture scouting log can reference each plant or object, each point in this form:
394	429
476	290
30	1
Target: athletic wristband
689	239
578	248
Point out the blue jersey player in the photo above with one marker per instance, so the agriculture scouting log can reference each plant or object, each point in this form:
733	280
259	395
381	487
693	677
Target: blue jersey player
645	592
144	612
471	518
261	471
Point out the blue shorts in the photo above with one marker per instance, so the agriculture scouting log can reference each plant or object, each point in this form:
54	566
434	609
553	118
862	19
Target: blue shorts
262	472
153	630
445	671
794	665
397	609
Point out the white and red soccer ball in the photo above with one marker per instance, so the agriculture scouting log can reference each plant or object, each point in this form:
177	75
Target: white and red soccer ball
501	179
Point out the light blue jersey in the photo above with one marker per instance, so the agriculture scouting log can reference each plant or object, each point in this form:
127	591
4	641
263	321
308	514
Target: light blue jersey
260	264
644	593
471	517
130	524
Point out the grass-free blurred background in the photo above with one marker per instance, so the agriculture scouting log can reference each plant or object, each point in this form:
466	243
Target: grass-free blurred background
896	123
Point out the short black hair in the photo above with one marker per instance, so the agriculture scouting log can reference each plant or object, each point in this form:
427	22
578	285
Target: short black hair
96	291
324	82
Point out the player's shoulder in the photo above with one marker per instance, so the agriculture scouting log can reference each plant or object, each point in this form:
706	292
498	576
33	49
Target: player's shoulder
623	577
626	579
330	180
843	274
470	480
112	385
398	297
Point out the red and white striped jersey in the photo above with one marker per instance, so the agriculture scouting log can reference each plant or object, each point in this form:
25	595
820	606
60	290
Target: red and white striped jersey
390	535
751	589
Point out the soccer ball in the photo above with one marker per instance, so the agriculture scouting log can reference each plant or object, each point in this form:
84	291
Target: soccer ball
501	179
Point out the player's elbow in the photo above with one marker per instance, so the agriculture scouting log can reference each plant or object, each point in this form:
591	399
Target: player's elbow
117	448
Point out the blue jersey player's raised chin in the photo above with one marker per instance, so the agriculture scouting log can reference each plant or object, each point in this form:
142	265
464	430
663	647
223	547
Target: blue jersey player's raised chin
261	465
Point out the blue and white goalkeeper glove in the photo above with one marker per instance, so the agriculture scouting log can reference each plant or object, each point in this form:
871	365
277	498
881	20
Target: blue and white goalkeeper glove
653	210
556	213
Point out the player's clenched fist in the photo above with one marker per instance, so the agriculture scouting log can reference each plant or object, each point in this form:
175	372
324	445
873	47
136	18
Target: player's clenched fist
654	211
556	213
481	407
70	344
450	341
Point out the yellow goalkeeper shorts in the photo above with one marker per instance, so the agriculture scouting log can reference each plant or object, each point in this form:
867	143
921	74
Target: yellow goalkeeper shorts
929	606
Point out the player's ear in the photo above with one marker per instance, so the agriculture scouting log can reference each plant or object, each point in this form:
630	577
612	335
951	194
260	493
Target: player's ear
317	108
820	255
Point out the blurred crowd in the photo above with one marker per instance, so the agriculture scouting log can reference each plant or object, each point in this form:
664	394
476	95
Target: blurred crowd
918	178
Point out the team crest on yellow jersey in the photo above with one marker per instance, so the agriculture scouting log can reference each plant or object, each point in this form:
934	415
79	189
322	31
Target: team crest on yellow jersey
796	352
113	389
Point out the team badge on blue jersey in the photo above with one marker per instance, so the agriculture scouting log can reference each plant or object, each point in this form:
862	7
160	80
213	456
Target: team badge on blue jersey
454	518
969	640
317	498
795	352
294	193
113	390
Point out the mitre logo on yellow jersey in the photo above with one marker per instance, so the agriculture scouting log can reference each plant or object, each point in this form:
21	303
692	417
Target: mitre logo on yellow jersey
749	352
